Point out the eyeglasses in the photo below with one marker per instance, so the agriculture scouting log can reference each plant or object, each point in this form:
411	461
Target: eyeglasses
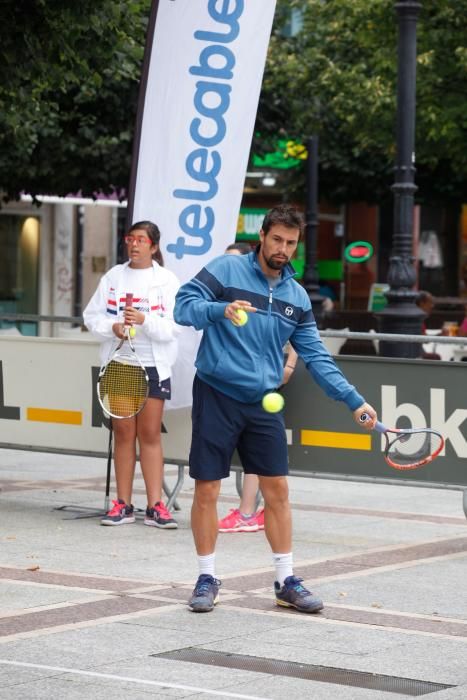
140	240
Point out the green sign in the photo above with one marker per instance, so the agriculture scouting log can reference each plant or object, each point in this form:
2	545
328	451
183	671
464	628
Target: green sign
249	223
358	251
288	155
327	269
331	269
377	299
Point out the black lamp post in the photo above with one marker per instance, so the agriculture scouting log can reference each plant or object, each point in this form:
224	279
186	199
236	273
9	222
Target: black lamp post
402	315
310	273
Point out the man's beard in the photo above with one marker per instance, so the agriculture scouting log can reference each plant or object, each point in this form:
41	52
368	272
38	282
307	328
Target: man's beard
276	264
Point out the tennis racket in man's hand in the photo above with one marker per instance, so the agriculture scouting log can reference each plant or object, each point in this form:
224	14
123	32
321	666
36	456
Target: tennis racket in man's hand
123	383
410	448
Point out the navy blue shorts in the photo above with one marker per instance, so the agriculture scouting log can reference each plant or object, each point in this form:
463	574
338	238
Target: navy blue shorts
221	424
157	390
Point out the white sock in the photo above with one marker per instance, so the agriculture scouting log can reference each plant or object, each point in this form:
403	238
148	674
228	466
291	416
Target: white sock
207	564
284	566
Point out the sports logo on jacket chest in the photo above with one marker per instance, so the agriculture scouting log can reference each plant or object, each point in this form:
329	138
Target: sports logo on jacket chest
288	310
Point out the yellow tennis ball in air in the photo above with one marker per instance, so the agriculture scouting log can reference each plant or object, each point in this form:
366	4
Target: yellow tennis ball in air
241	317
132	332
273	402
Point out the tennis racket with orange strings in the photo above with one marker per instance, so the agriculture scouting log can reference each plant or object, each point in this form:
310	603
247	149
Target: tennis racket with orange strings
407	449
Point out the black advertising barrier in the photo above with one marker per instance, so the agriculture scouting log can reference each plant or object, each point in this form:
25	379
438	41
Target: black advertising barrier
324	438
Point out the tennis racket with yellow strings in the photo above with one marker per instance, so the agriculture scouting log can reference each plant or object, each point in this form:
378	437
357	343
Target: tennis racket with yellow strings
123	383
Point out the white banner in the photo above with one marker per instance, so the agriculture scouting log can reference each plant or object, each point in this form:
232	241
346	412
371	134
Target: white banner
199	97
200	101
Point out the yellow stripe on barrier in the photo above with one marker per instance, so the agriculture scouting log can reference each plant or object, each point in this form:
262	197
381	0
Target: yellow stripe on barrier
344	441
50	415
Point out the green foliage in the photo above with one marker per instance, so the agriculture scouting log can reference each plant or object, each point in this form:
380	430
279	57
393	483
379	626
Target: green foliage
442	99
68	90
69	75
337	77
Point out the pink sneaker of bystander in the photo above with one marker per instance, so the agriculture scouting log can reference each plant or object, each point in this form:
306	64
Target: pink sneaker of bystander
235	522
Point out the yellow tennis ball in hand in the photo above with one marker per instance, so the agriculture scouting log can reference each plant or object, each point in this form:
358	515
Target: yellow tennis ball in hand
241	317
273	402
132	332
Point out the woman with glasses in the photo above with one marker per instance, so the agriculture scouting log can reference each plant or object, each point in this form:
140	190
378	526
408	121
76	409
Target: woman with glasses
155	341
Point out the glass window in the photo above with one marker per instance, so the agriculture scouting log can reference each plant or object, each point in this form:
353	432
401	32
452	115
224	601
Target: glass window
19	240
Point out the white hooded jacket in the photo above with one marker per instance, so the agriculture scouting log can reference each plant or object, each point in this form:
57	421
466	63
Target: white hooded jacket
103	311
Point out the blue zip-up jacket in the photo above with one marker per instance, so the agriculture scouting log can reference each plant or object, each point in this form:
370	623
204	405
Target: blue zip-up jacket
245	362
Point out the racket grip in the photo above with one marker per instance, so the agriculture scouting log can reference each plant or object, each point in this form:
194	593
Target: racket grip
128	302
379	427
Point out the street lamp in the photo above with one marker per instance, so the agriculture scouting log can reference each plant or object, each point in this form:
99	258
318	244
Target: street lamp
402	315
310	273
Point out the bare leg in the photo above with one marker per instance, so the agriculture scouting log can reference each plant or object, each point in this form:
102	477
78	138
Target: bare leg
148	427
249	491
277	515
124	456
204	516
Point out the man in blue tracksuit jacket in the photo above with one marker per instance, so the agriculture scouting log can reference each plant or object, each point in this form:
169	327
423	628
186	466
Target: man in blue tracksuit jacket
236	367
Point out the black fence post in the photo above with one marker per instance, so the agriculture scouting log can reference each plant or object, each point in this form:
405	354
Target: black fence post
402	315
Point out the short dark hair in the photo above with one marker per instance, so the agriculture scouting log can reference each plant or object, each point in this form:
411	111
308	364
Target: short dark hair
423	298
285	215
153	234
242	248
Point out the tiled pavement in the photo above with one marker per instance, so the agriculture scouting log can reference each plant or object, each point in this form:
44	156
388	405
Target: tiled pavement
87	611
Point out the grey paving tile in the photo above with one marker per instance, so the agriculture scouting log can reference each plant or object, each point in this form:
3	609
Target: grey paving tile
15	676
57	541
77	688
458	693
20	597
439	589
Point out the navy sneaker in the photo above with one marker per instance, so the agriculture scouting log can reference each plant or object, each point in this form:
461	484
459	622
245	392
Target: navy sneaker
159	516
294	595
120	514
205	594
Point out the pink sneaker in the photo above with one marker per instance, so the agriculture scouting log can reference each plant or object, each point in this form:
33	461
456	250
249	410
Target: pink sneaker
159	516
259	518
235	522
119	514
